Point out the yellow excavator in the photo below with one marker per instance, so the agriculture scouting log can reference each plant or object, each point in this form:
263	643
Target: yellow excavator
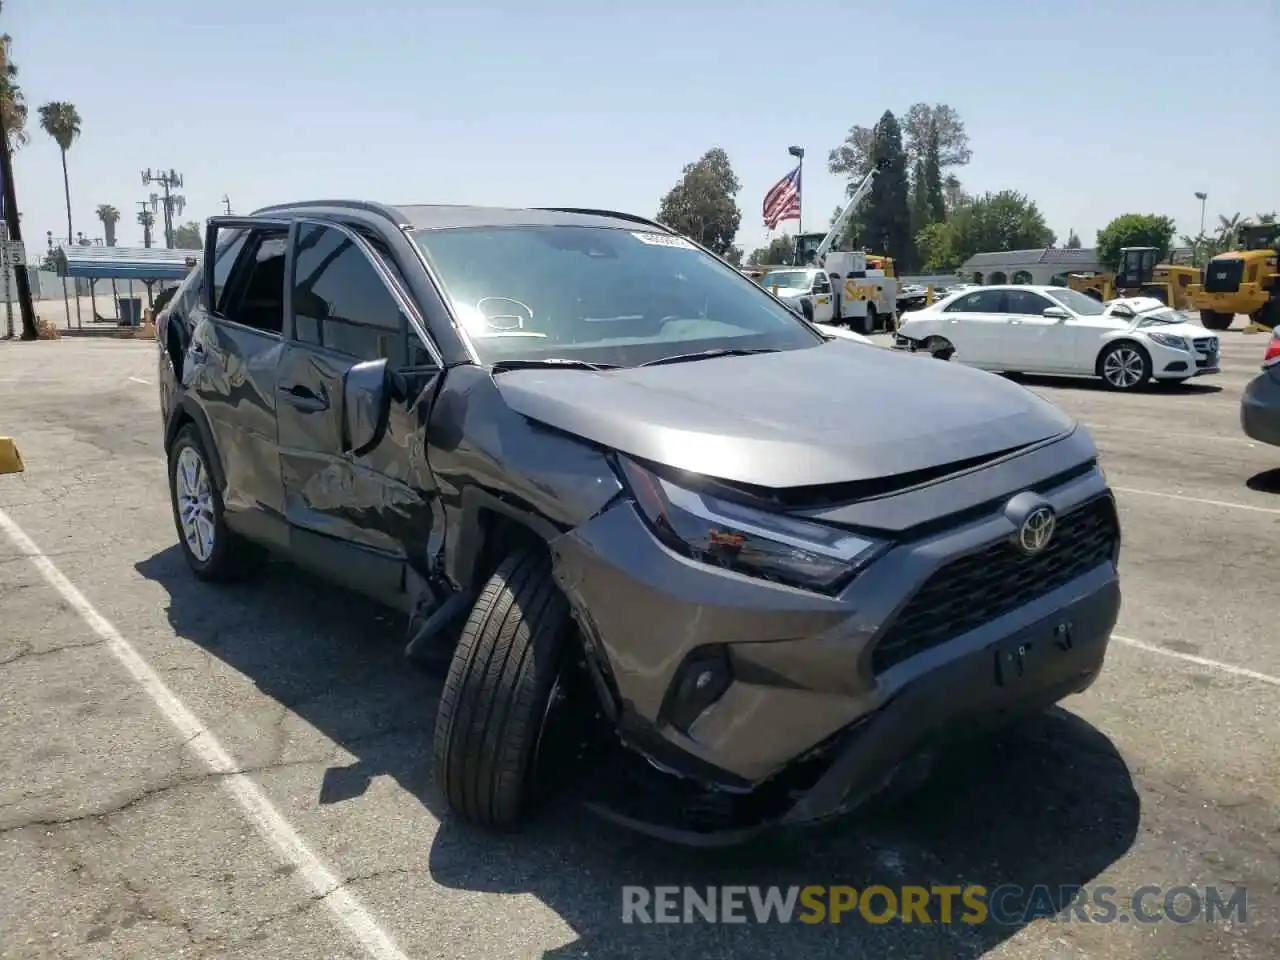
1140	276
1242	281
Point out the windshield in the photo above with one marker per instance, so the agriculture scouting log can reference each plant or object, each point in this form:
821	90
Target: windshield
1078	303
787	279
600	294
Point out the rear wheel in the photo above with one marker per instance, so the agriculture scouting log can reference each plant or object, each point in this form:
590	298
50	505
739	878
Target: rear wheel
1124	366
1212	320
213	550
502	694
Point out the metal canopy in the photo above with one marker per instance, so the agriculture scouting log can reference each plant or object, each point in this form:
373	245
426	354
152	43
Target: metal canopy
123	263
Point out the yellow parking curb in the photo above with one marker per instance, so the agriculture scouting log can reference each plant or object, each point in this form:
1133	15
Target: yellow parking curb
10	458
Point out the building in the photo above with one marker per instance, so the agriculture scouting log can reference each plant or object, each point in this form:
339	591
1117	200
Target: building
1048	266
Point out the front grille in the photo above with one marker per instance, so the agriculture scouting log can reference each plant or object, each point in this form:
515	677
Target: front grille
1223	276
979	587
1206	351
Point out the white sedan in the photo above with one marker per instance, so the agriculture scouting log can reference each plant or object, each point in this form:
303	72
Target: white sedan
1061	332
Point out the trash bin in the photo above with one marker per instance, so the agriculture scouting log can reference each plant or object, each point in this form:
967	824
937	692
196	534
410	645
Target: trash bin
130	311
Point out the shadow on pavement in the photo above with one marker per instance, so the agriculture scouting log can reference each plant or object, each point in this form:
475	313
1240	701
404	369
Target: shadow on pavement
1268	481
1049	802
1097	386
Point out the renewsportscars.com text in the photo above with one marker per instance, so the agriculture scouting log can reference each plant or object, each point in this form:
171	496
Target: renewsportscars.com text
968	904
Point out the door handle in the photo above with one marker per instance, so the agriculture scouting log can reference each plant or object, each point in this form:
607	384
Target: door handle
303	398
1014	322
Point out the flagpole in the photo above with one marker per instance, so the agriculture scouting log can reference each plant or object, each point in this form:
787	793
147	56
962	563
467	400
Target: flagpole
798	153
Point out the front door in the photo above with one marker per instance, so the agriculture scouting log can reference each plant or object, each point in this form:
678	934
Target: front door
821	298
358	519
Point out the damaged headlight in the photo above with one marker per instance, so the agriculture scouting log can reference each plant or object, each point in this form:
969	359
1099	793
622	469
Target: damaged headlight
1170	340
768	545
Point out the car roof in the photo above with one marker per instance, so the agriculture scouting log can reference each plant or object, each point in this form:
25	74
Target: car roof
443	216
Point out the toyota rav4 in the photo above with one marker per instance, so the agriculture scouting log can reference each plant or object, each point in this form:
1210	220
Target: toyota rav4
646	514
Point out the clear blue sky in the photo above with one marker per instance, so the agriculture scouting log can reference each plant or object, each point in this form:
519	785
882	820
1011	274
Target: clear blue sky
1091	108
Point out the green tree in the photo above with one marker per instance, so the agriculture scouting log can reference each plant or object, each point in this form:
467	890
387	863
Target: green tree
885	218
109	216
1073	241
702	205
921	216
734	256
1264	218
937	125
936	248
189	236
61	121
853	158
934	196
13	105
995	221
1134	230
953	195
779	251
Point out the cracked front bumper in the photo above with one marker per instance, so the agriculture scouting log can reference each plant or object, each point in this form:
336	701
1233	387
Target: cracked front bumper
813	721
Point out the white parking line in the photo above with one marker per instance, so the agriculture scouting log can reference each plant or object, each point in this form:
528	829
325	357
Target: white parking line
271	825
1200	661
140	380
1211	503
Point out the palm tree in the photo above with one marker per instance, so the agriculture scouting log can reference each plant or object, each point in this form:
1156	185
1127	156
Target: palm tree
61	121
13	106
109	216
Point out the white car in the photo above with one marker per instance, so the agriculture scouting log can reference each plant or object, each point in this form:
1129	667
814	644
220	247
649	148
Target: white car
805	289
844	333
1061	332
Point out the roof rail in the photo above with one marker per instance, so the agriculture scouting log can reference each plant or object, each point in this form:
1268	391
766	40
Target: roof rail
586	211
381	209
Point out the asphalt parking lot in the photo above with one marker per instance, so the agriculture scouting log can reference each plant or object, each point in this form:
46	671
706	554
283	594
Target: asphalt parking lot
245	772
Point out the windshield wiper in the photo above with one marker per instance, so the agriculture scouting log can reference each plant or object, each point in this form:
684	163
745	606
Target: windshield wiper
708	354
551	363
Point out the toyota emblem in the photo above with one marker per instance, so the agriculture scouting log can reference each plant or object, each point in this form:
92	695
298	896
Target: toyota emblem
1037	530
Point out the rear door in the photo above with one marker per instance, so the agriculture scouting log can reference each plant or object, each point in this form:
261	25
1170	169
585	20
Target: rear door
974	323
1035	343
358	519
229	365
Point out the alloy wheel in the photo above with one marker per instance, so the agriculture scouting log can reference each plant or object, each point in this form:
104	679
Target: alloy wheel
195	503
1123	368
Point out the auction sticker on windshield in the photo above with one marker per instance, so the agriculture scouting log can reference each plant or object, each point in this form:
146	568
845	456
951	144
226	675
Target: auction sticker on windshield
664	240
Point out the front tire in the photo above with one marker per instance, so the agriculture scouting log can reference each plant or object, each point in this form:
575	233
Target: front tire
501	685
213	550
1124	366
1211	320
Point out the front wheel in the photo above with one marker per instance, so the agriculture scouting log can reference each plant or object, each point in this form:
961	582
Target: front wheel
1124	366
940	348
501	694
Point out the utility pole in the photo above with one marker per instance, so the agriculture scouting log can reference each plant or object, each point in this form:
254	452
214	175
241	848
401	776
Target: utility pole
13	224
147	219
168	181
226	205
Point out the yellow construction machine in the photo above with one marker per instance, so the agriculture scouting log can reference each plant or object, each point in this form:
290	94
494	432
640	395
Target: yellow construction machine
1242	281
10	459
1140	276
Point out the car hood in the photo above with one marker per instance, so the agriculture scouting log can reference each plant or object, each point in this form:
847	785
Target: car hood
1192	331
835	413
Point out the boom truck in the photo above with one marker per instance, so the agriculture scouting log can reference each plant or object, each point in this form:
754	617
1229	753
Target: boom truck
862	287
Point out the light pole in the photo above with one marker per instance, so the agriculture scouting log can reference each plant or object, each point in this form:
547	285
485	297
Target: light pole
798	153
1201	196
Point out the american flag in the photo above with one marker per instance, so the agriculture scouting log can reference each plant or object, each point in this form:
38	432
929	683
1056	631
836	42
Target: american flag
782	202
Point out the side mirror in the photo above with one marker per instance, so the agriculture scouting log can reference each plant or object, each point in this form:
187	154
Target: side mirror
1055	313
366	405
1125	313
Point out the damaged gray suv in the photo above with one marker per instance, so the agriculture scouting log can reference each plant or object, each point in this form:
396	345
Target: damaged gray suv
677	548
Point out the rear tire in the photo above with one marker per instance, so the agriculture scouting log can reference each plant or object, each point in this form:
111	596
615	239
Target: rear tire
1211	320
213	551
496	699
